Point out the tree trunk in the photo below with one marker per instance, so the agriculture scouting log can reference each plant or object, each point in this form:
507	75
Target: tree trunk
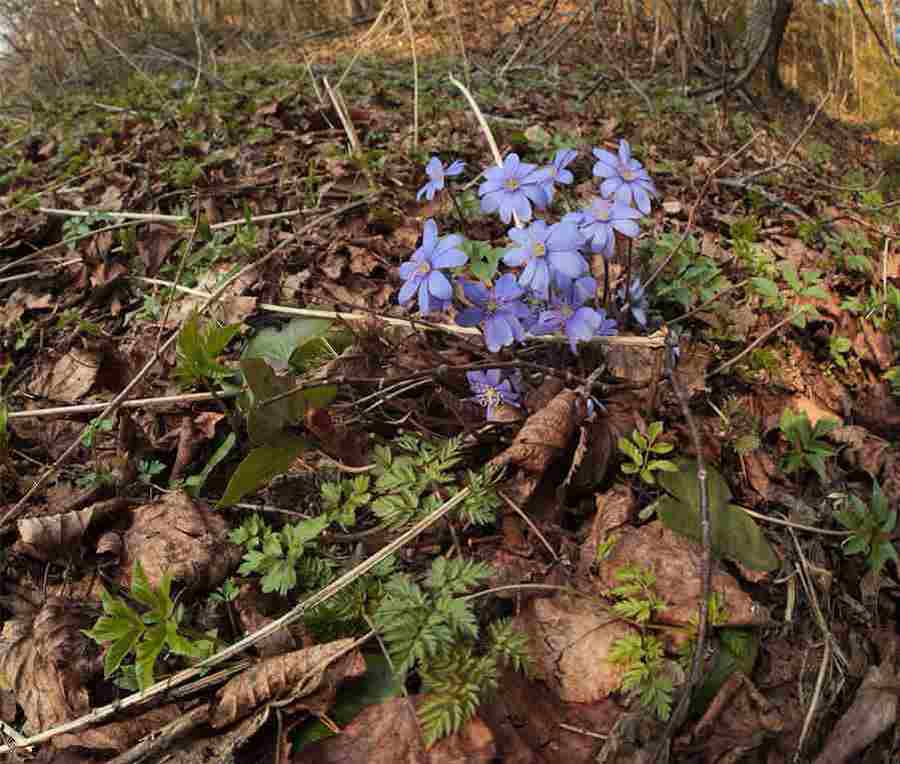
780	19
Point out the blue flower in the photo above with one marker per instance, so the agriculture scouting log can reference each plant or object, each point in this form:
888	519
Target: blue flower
603	218
558	172
513	188
569	314
491	390
422	272
499	310
436	173
542	248
624	178
636	297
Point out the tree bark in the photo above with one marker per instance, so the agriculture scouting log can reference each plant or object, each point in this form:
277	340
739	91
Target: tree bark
780	18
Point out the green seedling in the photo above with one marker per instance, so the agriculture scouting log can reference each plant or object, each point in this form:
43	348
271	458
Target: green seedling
870	529
642	450
808	450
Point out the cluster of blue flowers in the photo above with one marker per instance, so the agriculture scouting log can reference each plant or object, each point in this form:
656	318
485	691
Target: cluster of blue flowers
552	290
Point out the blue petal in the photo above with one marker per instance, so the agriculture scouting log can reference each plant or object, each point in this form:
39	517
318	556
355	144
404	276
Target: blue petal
609	186
564	235
565	177
439	286
450	258
507	289
490	186
429	235
516	257
408	290
424	297
407	270
522	207
497	333
511	165
570	264
434	168
491	202
455	168
470	317
492	377
641	199
624	152
627	228
475	292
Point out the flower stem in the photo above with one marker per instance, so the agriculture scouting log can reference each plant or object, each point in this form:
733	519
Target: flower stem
459	212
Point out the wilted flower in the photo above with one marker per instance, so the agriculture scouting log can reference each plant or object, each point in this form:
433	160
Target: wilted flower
542	249
436	173
513	188
624	178
422	272
636	297
569	314
602	218
558	172
491	390
498	310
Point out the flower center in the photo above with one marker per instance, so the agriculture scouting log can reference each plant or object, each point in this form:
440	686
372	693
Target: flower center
567	311
601	212
511	184
424	267
539	249
627	175
489	396
492	306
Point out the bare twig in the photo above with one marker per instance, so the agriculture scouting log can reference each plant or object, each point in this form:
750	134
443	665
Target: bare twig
756	343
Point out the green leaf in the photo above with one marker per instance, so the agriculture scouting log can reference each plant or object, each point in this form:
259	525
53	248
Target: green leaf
654	431
148	650
662	448
483	259
279	344
261	465
194	484
734	533
117	651
629	449
663	465
739	651
766	287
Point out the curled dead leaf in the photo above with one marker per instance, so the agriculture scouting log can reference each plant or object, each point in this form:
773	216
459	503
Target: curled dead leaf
46	660
285	677
49	537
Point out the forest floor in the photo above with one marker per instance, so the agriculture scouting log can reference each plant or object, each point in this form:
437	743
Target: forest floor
312	504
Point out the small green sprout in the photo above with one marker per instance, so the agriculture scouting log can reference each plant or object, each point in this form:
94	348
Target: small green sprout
870	529
808	449
642	451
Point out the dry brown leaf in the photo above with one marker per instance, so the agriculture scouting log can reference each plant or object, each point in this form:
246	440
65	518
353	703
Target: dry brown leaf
53	536
46	660
545	435
388	733
284	677
179	537
248	607
675	562
68	378
570	641
122	734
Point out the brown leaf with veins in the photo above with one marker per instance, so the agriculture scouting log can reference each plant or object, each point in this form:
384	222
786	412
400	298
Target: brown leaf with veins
154	242
46	660
121	734
182	538
49	537
285	678
569	642
388	733
67	378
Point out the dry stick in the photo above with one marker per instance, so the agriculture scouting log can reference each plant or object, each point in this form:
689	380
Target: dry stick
312	77
161	739
655	340
518	510
38	274
17	509
294	614
180	270
355	147
457	25
360	47
759	340
680	713
135	403
150	217
415	62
